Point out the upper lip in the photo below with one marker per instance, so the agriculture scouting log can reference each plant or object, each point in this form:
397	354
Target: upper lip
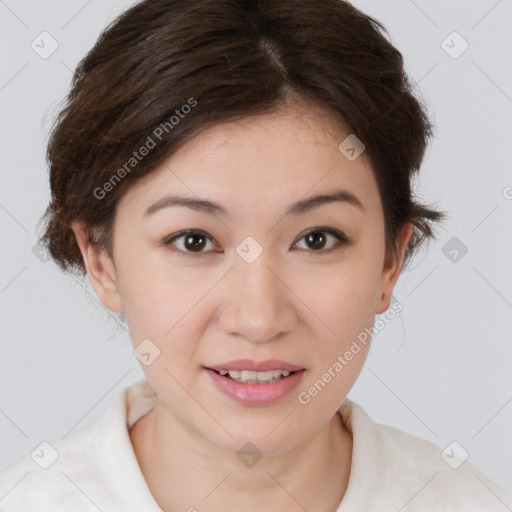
262	366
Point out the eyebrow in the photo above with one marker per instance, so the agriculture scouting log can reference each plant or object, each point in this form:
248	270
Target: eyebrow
298	208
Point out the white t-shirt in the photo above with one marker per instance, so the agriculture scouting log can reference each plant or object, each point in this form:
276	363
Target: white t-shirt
95	469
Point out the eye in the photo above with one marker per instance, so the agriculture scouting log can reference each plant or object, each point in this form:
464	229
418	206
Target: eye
318	237
193	241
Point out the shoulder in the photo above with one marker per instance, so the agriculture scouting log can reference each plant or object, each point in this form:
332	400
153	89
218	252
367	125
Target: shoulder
444	478
60	474
416	474
89	469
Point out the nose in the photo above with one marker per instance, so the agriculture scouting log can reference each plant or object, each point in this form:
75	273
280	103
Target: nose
259	304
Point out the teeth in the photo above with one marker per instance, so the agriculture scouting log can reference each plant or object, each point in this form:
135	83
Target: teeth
252	377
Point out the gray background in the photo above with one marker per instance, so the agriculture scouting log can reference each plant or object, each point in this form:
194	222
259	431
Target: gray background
441	371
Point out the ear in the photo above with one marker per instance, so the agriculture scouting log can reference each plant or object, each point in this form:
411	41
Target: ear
100	269
391	270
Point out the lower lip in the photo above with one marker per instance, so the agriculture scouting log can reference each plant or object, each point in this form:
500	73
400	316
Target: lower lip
255	394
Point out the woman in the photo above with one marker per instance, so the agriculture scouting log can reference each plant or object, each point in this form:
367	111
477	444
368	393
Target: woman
234	177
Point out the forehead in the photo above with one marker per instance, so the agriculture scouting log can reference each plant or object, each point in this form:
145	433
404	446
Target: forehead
259	161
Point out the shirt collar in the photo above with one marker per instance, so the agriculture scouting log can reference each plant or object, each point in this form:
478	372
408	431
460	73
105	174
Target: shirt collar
117	456
116	453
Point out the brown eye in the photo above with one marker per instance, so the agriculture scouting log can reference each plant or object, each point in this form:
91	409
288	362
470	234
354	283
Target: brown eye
194	242
318	238
191	241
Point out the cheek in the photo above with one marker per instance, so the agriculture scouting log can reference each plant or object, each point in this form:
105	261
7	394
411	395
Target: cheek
344	297
339	357
154	294
341	348
346	306
162	304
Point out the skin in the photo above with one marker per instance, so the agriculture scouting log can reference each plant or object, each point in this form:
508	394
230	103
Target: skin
296	302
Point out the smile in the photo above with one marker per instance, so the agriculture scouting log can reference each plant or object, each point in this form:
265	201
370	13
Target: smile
252	388
252	377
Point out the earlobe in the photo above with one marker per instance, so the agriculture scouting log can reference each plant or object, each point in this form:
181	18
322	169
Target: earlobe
100	269
391	271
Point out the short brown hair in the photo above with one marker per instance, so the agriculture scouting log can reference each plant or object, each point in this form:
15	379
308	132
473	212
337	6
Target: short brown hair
227	60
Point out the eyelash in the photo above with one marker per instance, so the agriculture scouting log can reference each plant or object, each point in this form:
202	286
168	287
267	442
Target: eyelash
341	238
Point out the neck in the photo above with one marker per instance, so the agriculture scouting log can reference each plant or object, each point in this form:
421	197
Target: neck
187	472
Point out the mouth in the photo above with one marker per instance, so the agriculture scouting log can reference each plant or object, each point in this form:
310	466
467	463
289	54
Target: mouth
255	384
247	371
253	377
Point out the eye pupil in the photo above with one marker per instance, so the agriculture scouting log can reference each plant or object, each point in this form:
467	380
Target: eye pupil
194	242
196	247
317	238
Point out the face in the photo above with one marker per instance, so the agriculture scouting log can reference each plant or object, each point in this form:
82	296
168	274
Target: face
268	275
